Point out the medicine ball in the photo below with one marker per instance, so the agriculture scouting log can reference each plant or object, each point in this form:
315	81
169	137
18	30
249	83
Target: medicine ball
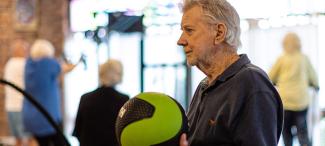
151	119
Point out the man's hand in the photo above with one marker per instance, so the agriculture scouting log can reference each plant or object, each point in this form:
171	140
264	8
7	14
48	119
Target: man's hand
183	141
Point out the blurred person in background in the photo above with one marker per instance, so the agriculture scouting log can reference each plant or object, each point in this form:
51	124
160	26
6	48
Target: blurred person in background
293	74
98	110
42	71
14	73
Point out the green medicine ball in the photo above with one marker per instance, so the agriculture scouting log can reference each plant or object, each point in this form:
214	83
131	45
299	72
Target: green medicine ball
151	119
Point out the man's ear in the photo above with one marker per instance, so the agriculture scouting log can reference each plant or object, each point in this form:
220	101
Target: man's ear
221	31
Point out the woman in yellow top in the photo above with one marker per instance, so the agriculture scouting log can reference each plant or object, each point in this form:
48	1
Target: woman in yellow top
293	74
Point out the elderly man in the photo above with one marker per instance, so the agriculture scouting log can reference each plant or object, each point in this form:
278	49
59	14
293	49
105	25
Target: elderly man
236	104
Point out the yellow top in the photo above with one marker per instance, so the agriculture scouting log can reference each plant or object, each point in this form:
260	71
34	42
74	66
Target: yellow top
293	74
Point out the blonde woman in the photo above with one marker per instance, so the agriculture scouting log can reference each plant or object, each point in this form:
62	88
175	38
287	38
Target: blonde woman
293	74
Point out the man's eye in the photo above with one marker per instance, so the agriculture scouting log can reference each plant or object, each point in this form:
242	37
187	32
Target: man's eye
188	30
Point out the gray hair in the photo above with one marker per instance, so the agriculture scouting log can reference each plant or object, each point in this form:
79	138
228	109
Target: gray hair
219	11
42	48
110	72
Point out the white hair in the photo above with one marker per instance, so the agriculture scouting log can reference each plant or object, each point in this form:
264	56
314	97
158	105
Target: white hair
42	48
220	11
110	72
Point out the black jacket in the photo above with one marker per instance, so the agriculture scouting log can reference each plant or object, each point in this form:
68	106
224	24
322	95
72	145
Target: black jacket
97	113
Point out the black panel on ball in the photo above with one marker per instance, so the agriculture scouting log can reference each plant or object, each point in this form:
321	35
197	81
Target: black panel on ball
134	110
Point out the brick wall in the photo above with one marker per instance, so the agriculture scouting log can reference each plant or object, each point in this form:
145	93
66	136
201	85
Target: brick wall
53	22
6	34
52	26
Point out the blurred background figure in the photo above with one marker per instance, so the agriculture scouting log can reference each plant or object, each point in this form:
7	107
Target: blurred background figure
14	72
42	72
97	113
293	74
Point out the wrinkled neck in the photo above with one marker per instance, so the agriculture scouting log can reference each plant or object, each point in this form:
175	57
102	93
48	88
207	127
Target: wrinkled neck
214	69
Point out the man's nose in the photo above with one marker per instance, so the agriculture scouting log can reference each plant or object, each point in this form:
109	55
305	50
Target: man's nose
181	41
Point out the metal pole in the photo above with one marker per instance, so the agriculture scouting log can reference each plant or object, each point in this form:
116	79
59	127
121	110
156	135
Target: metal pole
142	65
188	86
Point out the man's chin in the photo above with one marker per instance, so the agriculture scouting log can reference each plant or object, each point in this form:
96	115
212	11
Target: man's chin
190	63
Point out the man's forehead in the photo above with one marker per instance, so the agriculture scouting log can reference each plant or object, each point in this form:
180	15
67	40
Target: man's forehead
190	15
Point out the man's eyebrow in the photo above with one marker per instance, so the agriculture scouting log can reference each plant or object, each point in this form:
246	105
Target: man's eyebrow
186	26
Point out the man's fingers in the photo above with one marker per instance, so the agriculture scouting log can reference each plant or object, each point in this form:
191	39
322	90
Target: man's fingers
183	140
